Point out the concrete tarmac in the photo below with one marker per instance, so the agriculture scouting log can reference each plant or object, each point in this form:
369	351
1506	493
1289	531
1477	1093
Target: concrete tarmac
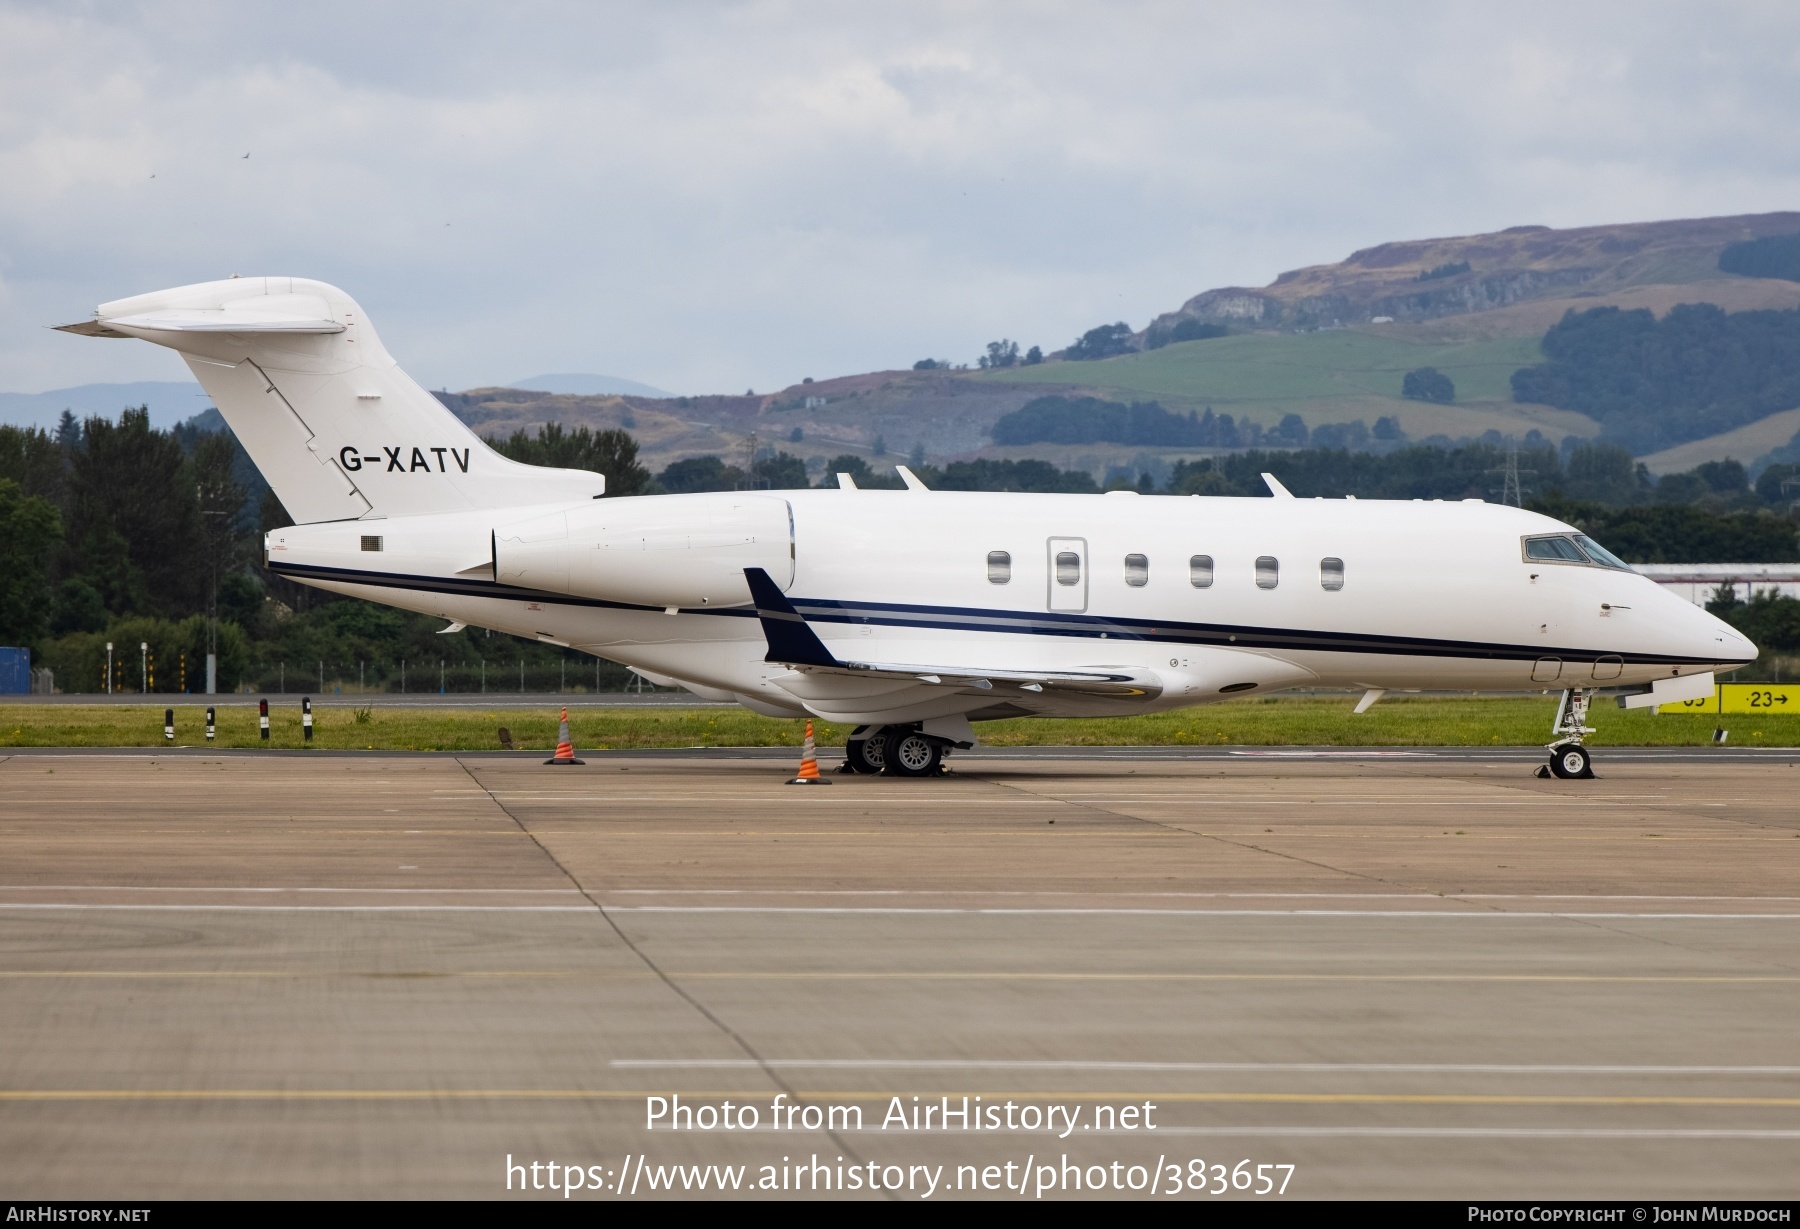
1402	975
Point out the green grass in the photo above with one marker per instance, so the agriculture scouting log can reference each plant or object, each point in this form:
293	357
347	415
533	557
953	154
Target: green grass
1276	721
1254	369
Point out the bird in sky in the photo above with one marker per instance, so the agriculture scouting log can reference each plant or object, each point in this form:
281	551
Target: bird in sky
245	156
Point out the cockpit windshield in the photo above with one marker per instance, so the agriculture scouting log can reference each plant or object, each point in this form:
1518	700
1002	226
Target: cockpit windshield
1600	555
1572	548
1554	550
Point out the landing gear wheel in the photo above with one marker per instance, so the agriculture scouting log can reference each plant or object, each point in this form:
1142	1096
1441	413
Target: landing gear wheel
909	753
868	753
856	757
1571	762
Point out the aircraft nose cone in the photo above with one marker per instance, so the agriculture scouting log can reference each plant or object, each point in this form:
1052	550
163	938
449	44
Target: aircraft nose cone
1719	641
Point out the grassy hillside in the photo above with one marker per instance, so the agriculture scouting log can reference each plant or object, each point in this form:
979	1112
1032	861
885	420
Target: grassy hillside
1744	444
1267	369
1332	376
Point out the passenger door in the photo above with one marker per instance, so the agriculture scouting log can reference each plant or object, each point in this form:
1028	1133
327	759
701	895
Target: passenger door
1068	574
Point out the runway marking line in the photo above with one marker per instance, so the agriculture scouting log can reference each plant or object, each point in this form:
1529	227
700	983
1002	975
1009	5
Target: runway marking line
1118	1065
922	911
870	1095
924	975
893	892
1744	1133
372	891
1076	830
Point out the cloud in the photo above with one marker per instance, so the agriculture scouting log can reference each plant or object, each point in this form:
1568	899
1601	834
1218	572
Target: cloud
712	197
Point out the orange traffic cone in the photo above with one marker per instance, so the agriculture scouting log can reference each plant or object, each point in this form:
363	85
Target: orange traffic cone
809	763
565	750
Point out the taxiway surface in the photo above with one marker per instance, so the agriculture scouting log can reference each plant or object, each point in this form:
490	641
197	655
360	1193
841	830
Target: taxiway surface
1405	975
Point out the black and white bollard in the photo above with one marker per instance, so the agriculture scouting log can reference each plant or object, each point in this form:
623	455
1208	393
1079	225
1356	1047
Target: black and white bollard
168	725
306	716
262	711
211	728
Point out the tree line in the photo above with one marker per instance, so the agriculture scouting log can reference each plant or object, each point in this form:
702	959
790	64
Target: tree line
1655	383
115	531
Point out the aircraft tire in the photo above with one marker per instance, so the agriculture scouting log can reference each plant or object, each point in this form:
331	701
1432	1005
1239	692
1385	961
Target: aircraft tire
871	751
909	753
856	757
1571	762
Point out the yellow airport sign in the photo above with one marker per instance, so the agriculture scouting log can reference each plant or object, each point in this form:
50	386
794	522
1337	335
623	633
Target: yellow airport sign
1758	698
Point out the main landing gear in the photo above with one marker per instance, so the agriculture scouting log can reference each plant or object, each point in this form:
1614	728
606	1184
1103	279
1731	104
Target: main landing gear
894	751
1569	760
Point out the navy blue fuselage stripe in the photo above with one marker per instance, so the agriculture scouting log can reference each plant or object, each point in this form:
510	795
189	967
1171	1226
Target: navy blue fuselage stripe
1032	623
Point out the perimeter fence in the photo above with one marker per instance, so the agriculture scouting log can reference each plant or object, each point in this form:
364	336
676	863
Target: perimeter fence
441	676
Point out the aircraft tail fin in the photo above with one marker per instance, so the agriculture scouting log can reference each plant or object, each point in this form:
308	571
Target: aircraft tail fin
333	423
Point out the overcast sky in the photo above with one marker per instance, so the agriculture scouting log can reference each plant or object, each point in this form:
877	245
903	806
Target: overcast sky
713	197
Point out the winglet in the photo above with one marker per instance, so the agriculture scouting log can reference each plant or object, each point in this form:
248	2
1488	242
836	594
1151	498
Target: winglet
910	479
791	641
1276	489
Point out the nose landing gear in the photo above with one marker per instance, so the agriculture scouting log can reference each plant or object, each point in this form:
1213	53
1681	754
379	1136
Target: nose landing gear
1569	760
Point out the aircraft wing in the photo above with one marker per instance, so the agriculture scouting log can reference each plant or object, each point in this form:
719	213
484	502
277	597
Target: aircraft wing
792	642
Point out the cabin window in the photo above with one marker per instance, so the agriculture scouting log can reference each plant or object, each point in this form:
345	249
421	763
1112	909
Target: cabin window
999	567
1331	573
1268	571
371	542
1200	571
1137	570
1068	568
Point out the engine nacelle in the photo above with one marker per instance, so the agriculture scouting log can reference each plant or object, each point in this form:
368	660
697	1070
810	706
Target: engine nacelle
663	550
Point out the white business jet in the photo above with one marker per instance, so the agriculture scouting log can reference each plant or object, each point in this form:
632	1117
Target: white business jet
909	614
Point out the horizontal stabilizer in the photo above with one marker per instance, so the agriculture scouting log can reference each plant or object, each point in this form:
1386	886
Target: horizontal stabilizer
228	321
89	328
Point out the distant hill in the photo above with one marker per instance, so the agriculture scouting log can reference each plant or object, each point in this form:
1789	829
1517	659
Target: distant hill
586	384
1425	279
170	402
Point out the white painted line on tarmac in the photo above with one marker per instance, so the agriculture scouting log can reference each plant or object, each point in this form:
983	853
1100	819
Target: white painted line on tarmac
371	891
1489	1132
1129	912
1339	755
893	892
923	911
149	908
1162	895
977	1064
